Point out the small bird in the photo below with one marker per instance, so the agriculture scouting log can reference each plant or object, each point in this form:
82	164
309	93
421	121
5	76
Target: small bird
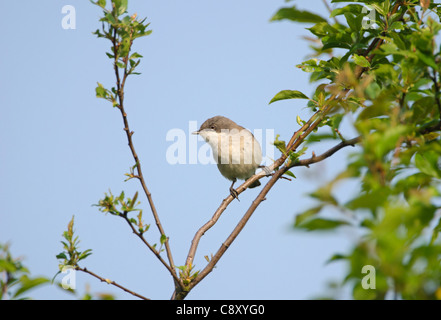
237	153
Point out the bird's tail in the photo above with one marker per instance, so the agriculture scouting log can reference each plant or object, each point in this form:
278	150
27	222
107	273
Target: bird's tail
255	184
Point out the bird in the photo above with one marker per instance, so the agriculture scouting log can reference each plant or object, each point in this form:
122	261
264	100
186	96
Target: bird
236	152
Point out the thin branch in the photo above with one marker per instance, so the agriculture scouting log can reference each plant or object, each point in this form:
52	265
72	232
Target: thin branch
437	87
5	285
325	2
327	154
129	134
152	249
225	245
206	227
111	282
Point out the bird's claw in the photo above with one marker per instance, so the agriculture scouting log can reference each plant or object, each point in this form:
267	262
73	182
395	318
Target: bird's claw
234	193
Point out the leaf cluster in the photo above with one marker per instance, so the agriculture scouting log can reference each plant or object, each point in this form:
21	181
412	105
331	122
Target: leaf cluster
121	30
383	76
71	255
15	279
121	206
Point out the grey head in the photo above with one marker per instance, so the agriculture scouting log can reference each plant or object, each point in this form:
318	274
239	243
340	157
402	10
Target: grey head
219	123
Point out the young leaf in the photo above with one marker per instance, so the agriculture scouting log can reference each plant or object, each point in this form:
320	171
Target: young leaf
280	144
294	14
288	94
321	224
163	238
361	61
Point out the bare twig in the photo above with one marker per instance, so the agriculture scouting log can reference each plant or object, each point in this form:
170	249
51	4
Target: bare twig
152	249
111	282
120	91
325	2
437	87
327	154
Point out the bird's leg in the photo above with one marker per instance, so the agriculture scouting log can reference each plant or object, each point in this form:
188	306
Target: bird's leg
233	192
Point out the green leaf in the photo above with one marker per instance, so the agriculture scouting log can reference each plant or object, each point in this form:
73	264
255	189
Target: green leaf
352	8
120	6
361	61
428	60
336	257
101	3
288	94
29	283
135	55
321	224
289	173
369	200
163	238
354	22
61	255
280	144
110	19
436	232
324	194
427	163
294	14
100	91
336	44
85	254
304	216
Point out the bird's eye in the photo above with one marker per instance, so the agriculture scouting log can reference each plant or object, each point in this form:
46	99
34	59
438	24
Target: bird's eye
213	127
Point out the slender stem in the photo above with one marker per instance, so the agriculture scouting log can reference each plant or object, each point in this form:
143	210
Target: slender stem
437	88
327	154
5	285
152	249
120	91
325	2
111	282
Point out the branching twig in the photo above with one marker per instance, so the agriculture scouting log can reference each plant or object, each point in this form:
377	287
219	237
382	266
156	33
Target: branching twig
325	2
152	249
327	154
111	282
120	91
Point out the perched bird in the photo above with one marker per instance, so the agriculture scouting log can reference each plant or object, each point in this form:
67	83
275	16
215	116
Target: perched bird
237	153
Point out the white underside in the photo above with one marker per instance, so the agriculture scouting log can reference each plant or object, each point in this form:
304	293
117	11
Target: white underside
236	153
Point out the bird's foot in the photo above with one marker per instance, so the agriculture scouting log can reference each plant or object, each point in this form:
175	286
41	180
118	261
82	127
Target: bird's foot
234	193
266	170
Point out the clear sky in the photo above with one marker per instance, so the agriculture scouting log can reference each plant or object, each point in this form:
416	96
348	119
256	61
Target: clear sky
61	148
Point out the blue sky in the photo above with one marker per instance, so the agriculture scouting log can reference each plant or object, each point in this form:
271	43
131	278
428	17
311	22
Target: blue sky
62	148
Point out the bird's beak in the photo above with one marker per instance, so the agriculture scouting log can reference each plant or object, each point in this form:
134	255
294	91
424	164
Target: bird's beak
195	132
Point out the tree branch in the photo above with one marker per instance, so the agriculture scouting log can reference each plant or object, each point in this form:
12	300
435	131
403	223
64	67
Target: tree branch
152	249
111	282
327	154
139	176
